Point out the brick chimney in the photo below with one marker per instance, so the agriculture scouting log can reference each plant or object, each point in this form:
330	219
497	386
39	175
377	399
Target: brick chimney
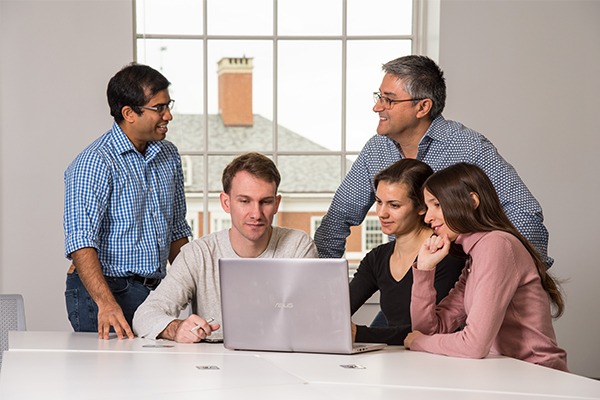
235	91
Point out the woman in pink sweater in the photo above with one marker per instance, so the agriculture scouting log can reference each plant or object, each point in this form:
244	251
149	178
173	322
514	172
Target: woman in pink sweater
504	297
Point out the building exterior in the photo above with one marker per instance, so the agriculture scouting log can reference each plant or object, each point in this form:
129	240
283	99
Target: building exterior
307	181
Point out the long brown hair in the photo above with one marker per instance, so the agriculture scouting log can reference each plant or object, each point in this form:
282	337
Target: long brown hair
453	186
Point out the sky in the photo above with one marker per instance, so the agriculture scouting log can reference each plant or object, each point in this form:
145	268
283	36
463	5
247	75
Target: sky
309	85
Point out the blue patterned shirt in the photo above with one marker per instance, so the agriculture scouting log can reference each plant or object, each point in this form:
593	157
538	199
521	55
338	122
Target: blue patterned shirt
445	143
126	205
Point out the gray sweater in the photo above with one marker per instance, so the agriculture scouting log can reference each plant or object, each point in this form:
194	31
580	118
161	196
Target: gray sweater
194	278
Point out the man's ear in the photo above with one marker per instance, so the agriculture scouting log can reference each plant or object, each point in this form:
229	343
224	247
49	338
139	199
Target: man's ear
424	107
475	198
277	202
225	205
128	114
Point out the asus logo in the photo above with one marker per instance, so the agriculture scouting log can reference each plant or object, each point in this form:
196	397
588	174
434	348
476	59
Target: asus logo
284	305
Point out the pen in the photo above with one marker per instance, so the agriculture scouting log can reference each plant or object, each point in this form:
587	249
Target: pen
208	321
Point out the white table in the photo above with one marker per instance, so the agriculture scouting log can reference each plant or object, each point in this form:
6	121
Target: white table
66	365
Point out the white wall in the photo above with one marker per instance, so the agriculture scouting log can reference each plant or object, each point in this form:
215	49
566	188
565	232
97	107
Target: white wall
525	74
56	60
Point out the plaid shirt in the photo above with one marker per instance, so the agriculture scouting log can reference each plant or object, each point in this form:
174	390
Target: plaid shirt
126	205
445	143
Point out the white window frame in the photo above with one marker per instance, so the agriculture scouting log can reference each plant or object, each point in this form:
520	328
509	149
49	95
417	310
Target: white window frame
365	232
315	221
219	221
425	24
188	171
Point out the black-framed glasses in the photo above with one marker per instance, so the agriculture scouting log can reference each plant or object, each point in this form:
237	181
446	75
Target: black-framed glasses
160	108
386	101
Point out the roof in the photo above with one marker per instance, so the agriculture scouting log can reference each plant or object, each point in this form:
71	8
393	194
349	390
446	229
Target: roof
299	173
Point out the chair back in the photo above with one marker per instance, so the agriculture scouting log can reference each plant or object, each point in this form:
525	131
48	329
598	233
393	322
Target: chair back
12	318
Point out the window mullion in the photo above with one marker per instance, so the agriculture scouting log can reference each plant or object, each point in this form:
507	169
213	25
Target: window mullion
205	188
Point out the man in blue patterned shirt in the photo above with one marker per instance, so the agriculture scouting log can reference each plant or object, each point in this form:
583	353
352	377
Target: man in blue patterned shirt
124	207
410	102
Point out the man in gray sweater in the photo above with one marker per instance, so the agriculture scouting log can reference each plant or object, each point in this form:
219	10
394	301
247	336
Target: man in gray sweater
250	184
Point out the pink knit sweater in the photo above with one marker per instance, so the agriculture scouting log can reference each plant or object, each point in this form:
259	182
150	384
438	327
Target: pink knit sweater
500	300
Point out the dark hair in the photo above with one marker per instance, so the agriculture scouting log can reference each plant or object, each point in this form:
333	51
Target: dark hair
413	173
256	164
134	85
453	186
422	79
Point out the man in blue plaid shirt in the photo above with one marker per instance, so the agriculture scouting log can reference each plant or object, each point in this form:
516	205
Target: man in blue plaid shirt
124	207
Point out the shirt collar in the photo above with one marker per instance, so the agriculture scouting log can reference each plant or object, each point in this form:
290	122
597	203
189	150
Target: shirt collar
122	142
469	240
124	145
437	130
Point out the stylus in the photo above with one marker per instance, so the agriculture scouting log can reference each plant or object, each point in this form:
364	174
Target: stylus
208	321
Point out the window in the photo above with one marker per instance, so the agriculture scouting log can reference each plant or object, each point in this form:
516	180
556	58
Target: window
292	79
188	171
219	221
372	235
315	222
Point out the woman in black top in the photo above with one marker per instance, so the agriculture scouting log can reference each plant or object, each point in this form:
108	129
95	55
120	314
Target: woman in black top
387	268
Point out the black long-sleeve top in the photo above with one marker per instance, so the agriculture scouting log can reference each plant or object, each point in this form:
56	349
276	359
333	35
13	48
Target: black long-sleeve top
374	274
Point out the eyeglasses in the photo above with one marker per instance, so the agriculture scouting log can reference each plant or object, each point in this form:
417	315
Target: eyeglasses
160	108
387	102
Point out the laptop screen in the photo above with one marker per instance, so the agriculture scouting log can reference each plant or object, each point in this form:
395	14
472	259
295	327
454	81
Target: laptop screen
299	304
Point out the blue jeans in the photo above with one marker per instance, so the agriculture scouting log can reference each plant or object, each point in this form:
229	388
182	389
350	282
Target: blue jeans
380	321
82	309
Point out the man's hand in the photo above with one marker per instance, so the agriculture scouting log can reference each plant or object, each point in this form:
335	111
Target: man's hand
191	330
112	315
109	312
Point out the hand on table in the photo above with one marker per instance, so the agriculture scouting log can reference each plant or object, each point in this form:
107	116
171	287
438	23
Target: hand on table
112	315
193	329
410	337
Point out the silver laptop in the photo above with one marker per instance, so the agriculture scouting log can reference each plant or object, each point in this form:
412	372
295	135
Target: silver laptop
281	304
